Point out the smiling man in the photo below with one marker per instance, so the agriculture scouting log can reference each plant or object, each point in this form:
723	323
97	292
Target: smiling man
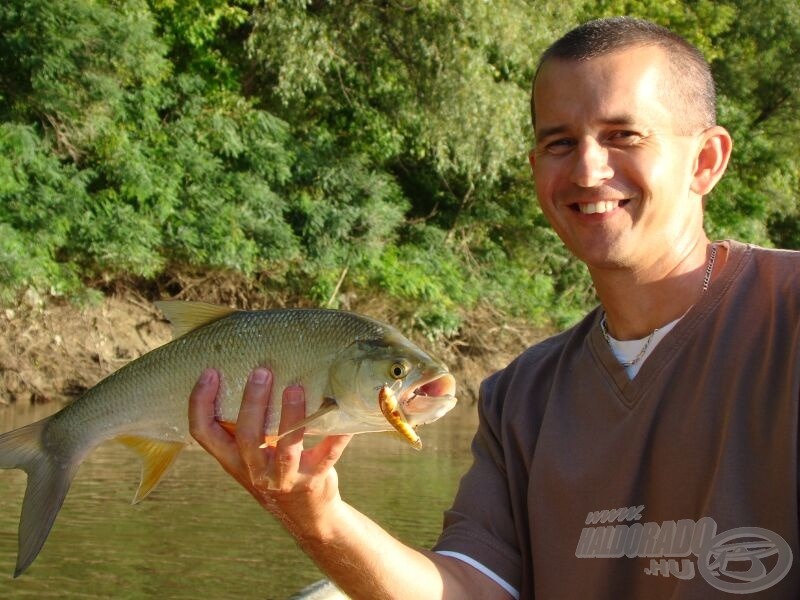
623	158
651	450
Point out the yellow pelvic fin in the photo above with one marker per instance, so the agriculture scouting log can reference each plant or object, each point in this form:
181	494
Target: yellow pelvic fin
186	316
156	455
391	410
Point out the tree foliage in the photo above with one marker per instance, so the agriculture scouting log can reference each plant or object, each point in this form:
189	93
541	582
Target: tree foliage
324	146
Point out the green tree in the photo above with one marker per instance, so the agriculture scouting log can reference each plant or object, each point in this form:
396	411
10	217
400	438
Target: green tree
165	166
324	146
434	95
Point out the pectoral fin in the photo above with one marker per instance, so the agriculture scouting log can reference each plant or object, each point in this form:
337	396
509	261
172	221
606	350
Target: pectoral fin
328	404
230	427
156	455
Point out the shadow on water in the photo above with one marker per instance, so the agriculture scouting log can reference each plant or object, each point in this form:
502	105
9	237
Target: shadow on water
199	534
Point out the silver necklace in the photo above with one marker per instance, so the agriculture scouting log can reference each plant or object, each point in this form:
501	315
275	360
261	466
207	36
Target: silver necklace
643	351
710	267
638	357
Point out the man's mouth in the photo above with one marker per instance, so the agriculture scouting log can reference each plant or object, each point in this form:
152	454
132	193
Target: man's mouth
591	208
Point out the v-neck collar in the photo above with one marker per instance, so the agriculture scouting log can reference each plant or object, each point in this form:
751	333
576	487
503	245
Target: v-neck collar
630	391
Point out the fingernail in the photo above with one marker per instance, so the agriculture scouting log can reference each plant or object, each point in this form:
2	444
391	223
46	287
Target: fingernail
206	376
294	394
259	376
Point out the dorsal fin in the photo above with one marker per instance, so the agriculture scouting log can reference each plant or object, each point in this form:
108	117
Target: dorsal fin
186	316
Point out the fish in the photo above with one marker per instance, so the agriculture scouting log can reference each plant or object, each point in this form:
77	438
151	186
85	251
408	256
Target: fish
352	368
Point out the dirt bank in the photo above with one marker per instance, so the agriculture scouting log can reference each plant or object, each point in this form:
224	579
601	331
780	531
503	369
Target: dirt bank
52	350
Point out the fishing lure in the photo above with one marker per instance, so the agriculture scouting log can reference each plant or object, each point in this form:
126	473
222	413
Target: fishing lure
391	410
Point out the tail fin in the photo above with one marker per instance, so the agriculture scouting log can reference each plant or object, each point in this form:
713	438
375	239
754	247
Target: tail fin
48	482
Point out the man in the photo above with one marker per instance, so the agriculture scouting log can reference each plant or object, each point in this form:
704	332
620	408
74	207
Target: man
648	452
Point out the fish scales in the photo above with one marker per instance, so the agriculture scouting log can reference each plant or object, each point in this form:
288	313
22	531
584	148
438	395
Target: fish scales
293	343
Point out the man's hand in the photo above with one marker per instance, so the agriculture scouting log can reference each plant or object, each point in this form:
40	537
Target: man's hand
301	488
294	484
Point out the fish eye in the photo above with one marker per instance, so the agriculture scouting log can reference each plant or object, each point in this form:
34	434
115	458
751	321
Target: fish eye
399	369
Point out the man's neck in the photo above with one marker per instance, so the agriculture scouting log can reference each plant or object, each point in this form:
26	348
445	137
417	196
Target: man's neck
638	302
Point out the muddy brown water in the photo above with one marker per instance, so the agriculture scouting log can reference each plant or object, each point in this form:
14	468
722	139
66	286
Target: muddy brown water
199	535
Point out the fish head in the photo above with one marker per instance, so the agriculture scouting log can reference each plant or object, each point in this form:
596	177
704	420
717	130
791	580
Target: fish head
424	388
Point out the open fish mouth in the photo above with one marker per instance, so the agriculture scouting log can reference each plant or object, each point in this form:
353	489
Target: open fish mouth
430	400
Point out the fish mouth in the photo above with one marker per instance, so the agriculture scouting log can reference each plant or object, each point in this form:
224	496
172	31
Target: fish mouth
430	400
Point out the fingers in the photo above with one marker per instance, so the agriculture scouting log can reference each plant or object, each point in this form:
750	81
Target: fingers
322	457
271	468
250	426
273	473
286	457
203	424
293	409
201	403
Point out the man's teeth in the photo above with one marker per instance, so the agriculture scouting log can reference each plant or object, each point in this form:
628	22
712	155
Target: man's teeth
598	207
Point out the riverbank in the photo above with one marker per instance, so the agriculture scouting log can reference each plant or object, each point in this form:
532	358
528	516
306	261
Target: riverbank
52	350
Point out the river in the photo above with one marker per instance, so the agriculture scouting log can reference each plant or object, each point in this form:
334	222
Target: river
199	535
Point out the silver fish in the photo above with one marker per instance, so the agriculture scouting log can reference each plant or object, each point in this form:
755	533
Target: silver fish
345	363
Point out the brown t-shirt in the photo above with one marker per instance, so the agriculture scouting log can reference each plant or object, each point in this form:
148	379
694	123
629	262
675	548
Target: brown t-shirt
681	483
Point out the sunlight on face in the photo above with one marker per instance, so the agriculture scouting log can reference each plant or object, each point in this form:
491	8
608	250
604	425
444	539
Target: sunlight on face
612	170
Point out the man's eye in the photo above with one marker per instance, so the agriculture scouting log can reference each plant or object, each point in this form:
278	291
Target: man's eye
624	137
559	146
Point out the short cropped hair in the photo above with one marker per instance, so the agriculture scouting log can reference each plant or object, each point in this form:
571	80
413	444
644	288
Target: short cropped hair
691	80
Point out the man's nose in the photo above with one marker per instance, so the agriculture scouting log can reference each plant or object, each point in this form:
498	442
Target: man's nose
591	167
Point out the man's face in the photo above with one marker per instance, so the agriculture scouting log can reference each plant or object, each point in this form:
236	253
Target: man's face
612	175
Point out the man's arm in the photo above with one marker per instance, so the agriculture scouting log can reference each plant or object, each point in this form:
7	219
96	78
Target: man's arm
300	487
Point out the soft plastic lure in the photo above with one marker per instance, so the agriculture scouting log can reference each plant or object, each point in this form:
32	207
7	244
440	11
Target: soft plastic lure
393	413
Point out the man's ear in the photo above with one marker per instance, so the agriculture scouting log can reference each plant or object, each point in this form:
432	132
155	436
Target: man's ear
712	159
532	158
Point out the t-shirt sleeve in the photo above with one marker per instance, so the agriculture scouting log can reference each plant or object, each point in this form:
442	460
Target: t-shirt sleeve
480	524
